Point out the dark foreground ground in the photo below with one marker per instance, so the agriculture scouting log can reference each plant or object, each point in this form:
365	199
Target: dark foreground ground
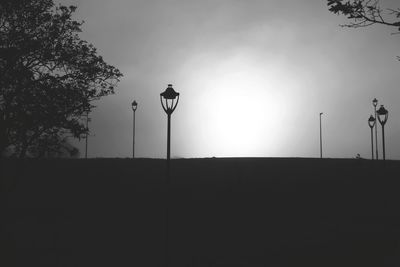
221	212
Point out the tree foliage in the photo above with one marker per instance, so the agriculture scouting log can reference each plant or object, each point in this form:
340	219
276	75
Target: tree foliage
363	13
48	75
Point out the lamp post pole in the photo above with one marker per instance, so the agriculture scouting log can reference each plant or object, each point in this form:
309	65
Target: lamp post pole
383	142
87	134
371	124
375	103
382	117
134	107
168	178
169	100
133	141
320	134
169	139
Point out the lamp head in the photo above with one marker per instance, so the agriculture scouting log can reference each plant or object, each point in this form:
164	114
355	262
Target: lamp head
371	121
169	93
169	99
382	110
382	114
375	102
134	105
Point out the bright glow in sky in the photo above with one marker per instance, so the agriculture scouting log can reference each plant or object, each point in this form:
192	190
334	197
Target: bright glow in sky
253	78
233	107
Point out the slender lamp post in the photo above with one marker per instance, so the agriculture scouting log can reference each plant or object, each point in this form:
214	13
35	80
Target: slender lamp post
371	124
320	134
134	107
87	133
169	100
382	117
375	103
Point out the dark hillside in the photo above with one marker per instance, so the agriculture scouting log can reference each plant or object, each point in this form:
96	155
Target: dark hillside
221	212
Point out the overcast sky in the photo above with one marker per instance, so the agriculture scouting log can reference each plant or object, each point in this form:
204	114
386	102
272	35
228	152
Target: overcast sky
253	77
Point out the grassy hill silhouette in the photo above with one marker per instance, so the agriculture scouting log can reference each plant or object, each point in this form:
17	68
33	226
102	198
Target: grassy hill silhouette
222	212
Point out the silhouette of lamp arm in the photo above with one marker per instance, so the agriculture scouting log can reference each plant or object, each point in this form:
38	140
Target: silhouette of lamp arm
134	107
371	124
382	118
169	100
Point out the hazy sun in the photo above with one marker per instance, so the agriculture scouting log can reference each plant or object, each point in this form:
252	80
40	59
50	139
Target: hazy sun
243	109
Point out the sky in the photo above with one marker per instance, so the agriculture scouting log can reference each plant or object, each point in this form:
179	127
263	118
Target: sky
252	75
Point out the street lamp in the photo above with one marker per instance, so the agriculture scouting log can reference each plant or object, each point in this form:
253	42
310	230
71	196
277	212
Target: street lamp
169	100
134	107
320	134
382	117
375	103
371	124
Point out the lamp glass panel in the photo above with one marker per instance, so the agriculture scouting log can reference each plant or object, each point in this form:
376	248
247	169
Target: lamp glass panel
383	117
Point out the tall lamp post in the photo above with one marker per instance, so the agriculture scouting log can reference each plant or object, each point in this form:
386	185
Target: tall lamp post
382	117
169	100
87	133
320	134
134	107
375	103
371	124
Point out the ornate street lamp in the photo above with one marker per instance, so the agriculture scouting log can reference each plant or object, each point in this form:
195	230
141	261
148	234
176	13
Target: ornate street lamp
169	100
134	107
375	103
382	117
371	124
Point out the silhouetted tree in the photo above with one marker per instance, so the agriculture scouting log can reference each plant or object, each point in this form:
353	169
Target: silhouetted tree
47	146
364	13
53	146
48	75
